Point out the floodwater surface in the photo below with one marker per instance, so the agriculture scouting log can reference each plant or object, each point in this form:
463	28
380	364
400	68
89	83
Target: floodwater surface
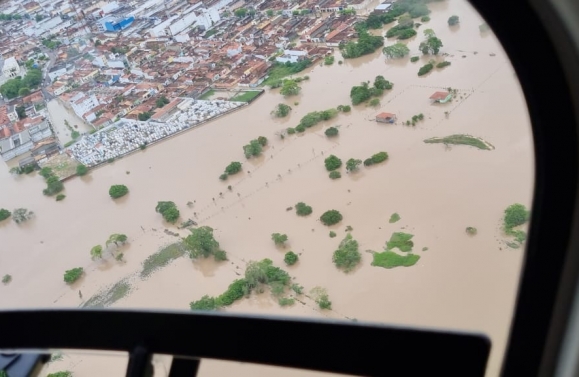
461	282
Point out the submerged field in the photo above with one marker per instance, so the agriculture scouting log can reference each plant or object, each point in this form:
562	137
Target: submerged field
447	279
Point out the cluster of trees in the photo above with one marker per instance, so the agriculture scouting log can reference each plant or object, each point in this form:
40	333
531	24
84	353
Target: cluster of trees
161	101
81	170
117	191
168	210
202	244
364	92
366	44
347	256
9	17
320	296
443	64
233	168
313	118
20	86
242	12
289	88
432	44
344	108
335	174
402	241
255	147
329	60
97	251
425	69
72	275
258	276
302	209
280	70
404	30
396	51
281	110
53	183
143	117
415	119
332	162
279	239
331	217
50	43
414	8
376	159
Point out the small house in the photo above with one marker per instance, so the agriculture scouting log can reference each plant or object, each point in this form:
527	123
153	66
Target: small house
441	97
386	118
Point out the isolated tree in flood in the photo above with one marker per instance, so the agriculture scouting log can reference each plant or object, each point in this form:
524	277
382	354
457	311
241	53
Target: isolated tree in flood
279	239
431	45
168	210
96	252
252	149
281	110
353	164
201	242
290	88
396	51
116	239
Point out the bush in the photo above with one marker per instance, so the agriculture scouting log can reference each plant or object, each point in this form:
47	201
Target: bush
60	197
70	276
332	131
291	131
279	239
332	163
390	259
6	279
262	140
4	214
347	256
332	234
168	210
252	149
233	168
381	83
406	34
283	301
425	19
20	215
368	162
223	177
205	303
329	60
300	128
281	110
394	218
353	164
290	258
374	102
60	374
81	170
379	157
117	191
400	240
453	20
303	209
220	255
471	231
335	175
331	217
321	298
442	64
414	59
425	69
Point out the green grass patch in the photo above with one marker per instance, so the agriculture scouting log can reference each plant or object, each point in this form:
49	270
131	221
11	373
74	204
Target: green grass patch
107	297
394	218
245	96
462	140
207	94
400	240
389	259
162	258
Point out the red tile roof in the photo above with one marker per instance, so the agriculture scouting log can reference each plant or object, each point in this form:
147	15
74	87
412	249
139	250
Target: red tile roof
439	95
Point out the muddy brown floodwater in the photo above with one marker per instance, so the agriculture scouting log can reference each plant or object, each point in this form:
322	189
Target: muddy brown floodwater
460	282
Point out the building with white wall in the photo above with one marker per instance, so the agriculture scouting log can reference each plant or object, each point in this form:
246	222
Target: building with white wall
82	103
11	68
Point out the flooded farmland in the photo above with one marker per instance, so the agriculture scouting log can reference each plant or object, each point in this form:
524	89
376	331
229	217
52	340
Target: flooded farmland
460	282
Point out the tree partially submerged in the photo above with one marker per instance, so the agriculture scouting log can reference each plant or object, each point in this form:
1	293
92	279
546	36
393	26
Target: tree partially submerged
202	244
168	210
72	275
396	51
347	256
331	217
332	163
281	110
353	164
4	214
302	209
118	191
20	215
320	296
432	44
290	258
279	239
96	252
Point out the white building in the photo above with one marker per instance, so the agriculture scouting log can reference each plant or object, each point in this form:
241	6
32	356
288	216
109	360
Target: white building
83	103
56	72
11	68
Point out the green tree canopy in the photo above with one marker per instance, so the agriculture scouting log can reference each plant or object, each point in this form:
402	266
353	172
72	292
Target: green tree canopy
233	168
201	243
279	239
290	88
168	210
252	149
431	45
117	191
353	164
331	217
395	51
241	12
81	170
453	20
302	209
332	162
347	256
4	214
96	252
70	276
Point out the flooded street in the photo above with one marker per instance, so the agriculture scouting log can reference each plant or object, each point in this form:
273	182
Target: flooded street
59	114
460	282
